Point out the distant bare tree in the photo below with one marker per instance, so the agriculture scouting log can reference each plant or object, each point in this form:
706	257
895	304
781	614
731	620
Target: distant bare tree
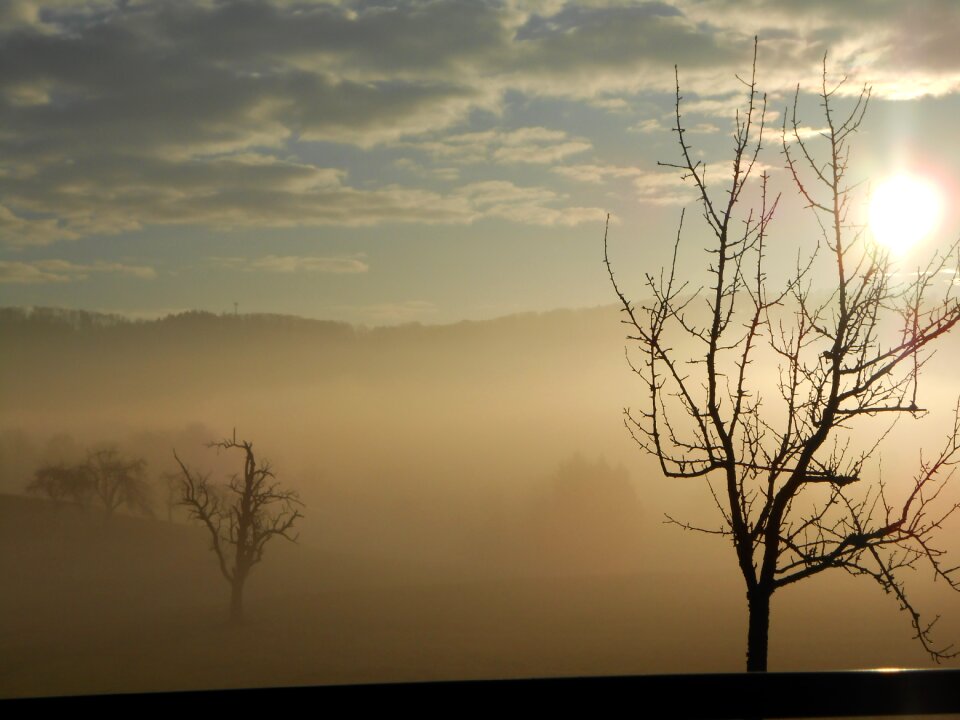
242	517
106	477
61	482
791	484
118	482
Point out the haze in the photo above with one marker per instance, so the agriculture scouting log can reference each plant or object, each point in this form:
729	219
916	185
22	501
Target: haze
368	238
473	508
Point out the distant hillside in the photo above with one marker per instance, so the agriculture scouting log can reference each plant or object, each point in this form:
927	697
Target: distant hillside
66	319
66	363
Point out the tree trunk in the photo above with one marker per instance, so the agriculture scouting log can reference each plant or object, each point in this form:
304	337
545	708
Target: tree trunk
758	602
236	600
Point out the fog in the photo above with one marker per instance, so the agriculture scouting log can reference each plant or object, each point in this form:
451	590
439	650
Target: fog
472	507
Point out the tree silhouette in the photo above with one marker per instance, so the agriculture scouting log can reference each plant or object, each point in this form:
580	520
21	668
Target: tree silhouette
791	482
117	481
60	482
105	476
242	517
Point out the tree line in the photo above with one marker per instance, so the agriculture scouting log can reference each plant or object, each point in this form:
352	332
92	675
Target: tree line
105	478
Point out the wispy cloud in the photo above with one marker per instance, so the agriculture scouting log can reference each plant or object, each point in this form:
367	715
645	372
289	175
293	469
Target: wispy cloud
41	272
596	173
526	205
653	187
294	264
530	145
242	191
805	132
201	129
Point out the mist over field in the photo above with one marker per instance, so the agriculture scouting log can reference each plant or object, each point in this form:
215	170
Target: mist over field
473	508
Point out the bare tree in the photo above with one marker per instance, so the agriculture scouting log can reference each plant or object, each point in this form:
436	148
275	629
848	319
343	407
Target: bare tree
242	517
61	482
797	491
117	481
105	477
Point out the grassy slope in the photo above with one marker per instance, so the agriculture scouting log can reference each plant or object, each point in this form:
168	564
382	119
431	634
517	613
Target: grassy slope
137	606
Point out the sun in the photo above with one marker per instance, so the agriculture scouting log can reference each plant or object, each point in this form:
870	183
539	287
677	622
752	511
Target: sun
904	209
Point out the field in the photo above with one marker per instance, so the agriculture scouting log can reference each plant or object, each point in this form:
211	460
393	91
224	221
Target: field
137	606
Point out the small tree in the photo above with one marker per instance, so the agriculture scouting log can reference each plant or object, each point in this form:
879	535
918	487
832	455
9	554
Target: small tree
786	474
242	517
61	482
117	481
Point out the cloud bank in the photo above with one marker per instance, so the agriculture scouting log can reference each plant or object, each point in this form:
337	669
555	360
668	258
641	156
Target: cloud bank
119	116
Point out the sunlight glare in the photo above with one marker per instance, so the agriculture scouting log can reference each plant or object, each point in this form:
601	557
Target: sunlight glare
903	210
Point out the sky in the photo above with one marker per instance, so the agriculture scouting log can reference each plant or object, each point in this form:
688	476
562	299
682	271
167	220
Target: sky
393	162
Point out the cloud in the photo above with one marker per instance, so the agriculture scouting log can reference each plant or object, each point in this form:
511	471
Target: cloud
596	173
206	78
663	188
295	264
118	116
525	205
16	230
240	191
652	187
200	79
903	51
805	132
706	128
581	51
40	272
17	14
613	104
654	125
650	125
656	187
446	174
527	145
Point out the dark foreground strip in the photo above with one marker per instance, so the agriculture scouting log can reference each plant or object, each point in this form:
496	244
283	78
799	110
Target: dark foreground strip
734	695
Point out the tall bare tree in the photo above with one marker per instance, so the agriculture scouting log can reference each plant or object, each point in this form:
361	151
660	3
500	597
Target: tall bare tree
798	493
242	516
